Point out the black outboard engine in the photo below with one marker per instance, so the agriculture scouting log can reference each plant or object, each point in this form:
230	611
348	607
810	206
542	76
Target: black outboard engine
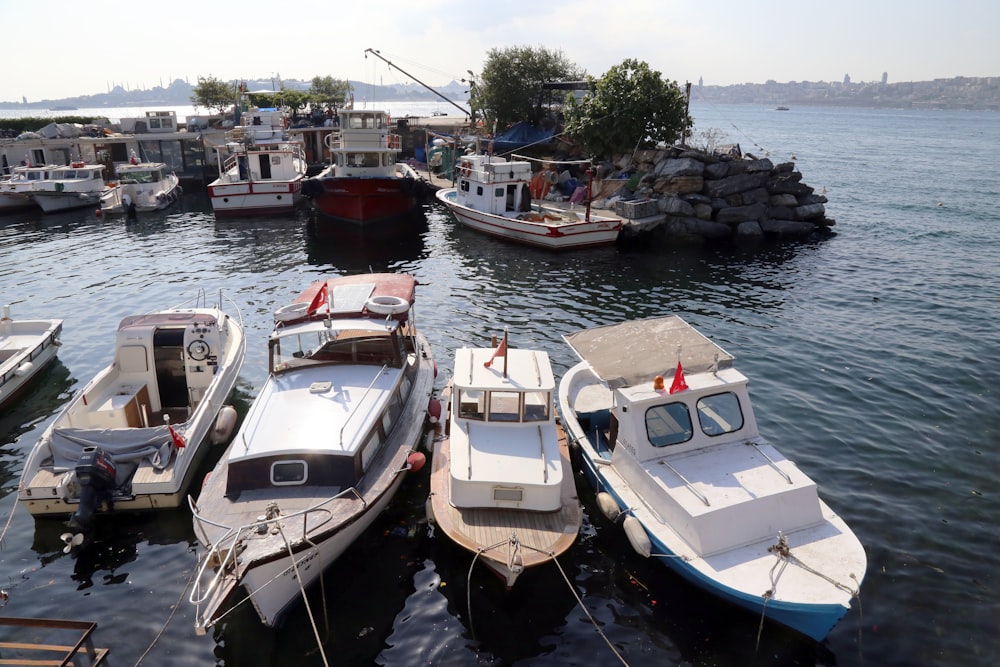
96	474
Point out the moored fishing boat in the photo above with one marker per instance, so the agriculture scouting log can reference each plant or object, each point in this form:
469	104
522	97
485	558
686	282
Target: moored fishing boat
501	482
141	187
693	482
260	168
75	185
26	348
323	448
364	187
493	196
15	190
131	439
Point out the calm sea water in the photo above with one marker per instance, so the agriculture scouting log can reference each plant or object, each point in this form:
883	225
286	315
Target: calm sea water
874	360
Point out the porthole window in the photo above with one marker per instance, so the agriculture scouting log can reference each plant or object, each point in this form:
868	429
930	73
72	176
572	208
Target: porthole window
288	473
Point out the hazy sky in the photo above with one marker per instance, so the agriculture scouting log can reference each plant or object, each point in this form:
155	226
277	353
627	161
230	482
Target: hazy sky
57	49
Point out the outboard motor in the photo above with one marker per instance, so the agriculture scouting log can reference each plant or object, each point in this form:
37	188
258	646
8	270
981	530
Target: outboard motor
96	474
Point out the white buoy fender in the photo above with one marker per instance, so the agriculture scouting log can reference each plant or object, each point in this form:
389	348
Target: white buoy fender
24	369
428	441
429	509
637	536
224	424
608	506
387	305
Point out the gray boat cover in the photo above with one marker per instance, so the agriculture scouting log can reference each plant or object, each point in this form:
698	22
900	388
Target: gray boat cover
123	445
636	351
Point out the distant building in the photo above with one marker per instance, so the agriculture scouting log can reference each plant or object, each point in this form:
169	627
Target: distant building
885	78
847	79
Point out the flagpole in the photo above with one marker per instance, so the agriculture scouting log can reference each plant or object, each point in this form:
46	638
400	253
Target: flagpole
505	348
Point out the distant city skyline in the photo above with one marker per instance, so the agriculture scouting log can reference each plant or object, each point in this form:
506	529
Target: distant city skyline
721	43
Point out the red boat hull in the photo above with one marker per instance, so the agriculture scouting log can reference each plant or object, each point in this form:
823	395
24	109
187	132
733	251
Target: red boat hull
362	202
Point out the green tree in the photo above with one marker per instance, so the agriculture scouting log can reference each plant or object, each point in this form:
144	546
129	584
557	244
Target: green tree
286	98
630	106
509	87
327	91
213	93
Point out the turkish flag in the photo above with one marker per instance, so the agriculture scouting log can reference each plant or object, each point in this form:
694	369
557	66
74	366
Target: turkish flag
176	437
679	384
500	351
321	298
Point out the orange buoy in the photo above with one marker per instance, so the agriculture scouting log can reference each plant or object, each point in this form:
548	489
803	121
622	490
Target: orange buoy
415	461
434	410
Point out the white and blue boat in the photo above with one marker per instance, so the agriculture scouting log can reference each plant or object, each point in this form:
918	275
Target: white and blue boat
664	430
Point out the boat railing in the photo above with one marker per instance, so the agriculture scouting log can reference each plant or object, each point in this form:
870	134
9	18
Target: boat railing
222	553
686	483
773	463
361	401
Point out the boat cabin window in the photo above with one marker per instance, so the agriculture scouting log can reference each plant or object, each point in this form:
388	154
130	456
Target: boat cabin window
288	473
536	406
668	424
471	404
338	347
505	406
720	414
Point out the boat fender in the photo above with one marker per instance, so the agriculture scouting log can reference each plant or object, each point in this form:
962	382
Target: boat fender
224	423
429	509
434	410
428	441
24	369
292	311
608	506
415	461
637	536
387	305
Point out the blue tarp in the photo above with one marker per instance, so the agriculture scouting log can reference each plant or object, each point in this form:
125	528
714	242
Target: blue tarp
519	136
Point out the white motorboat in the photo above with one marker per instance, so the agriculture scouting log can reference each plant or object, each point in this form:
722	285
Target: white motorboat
75	185
501	481
15	190
141	187
260	168
323	448
493	196
694	484
26	347
132	438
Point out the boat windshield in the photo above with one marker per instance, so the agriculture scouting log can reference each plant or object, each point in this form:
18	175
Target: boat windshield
347	346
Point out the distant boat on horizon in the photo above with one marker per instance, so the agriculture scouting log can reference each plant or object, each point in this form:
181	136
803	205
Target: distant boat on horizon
781	108
63	108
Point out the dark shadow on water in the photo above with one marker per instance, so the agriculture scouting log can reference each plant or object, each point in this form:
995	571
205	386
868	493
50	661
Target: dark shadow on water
353	250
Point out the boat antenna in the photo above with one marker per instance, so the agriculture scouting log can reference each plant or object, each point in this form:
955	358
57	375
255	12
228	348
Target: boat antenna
390	64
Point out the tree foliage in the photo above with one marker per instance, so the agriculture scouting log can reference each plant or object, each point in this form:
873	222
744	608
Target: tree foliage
327	91
213	93
630	106
509	87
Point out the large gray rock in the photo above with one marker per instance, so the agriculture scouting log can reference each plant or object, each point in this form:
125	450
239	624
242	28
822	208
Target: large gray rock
733	184
679	167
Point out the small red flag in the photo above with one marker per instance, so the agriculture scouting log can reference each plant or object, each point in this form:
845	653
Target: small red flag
318	300
500	351
176	437
679	384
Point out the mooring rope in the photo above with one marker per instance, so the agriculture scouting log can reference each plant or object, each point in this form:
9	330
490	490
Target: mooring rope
302	591
586	611
194	572
10	518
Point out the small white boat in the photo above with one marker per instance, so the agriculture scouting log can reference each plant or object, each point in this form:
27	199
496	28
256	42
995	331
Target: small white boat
260	168
75	185
501	481
132	438
15	190
26	347
693	483
322	450
493	196
141	187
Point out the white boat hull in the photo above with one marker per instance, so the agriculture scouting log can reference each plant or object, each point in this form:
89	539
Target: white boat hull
26	348
52	202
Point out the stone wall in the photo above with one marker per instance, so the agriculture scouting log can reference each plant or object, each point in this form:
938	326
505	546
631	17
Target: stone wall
703	197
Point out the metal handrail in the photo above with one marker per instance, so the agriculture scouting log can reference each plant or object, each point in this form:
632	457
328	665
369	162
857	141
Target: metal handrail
686	483
771	461
361	400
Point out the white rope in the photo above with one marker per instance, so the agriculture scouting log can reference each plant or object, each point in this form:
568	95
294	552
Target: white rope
194	572
302	591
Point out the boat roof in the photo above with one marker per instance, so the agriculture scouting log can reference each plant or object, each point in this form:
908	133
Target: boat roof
350	296
632	352
169	317
526	370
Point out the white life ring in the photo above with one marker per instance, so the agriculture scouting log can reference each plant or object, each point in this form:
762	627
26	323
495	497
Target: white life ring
292	311
387	305
331	140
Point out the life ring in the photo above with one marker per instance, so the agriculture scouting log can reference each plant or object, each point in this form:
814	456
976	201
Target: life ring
387	305
466	168
330	139
292	311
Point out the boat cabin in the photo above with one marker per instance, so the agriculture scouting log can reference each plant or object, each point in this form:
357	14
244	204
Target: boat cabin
364	146
504	444
164	364
493	185
140	174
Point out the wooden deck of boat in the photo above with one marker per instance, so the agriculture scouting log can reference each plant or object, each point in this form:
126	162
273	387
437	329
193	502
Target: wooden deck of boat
542	535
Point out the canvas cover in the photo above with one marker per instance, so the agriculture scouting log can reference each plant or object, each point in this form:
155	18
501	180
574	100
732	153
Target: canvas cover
123	445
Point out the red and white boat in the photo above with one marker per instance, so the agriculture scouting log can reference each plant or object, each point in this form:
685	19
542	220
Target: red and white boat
493	196
323	448
364	186
260	169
